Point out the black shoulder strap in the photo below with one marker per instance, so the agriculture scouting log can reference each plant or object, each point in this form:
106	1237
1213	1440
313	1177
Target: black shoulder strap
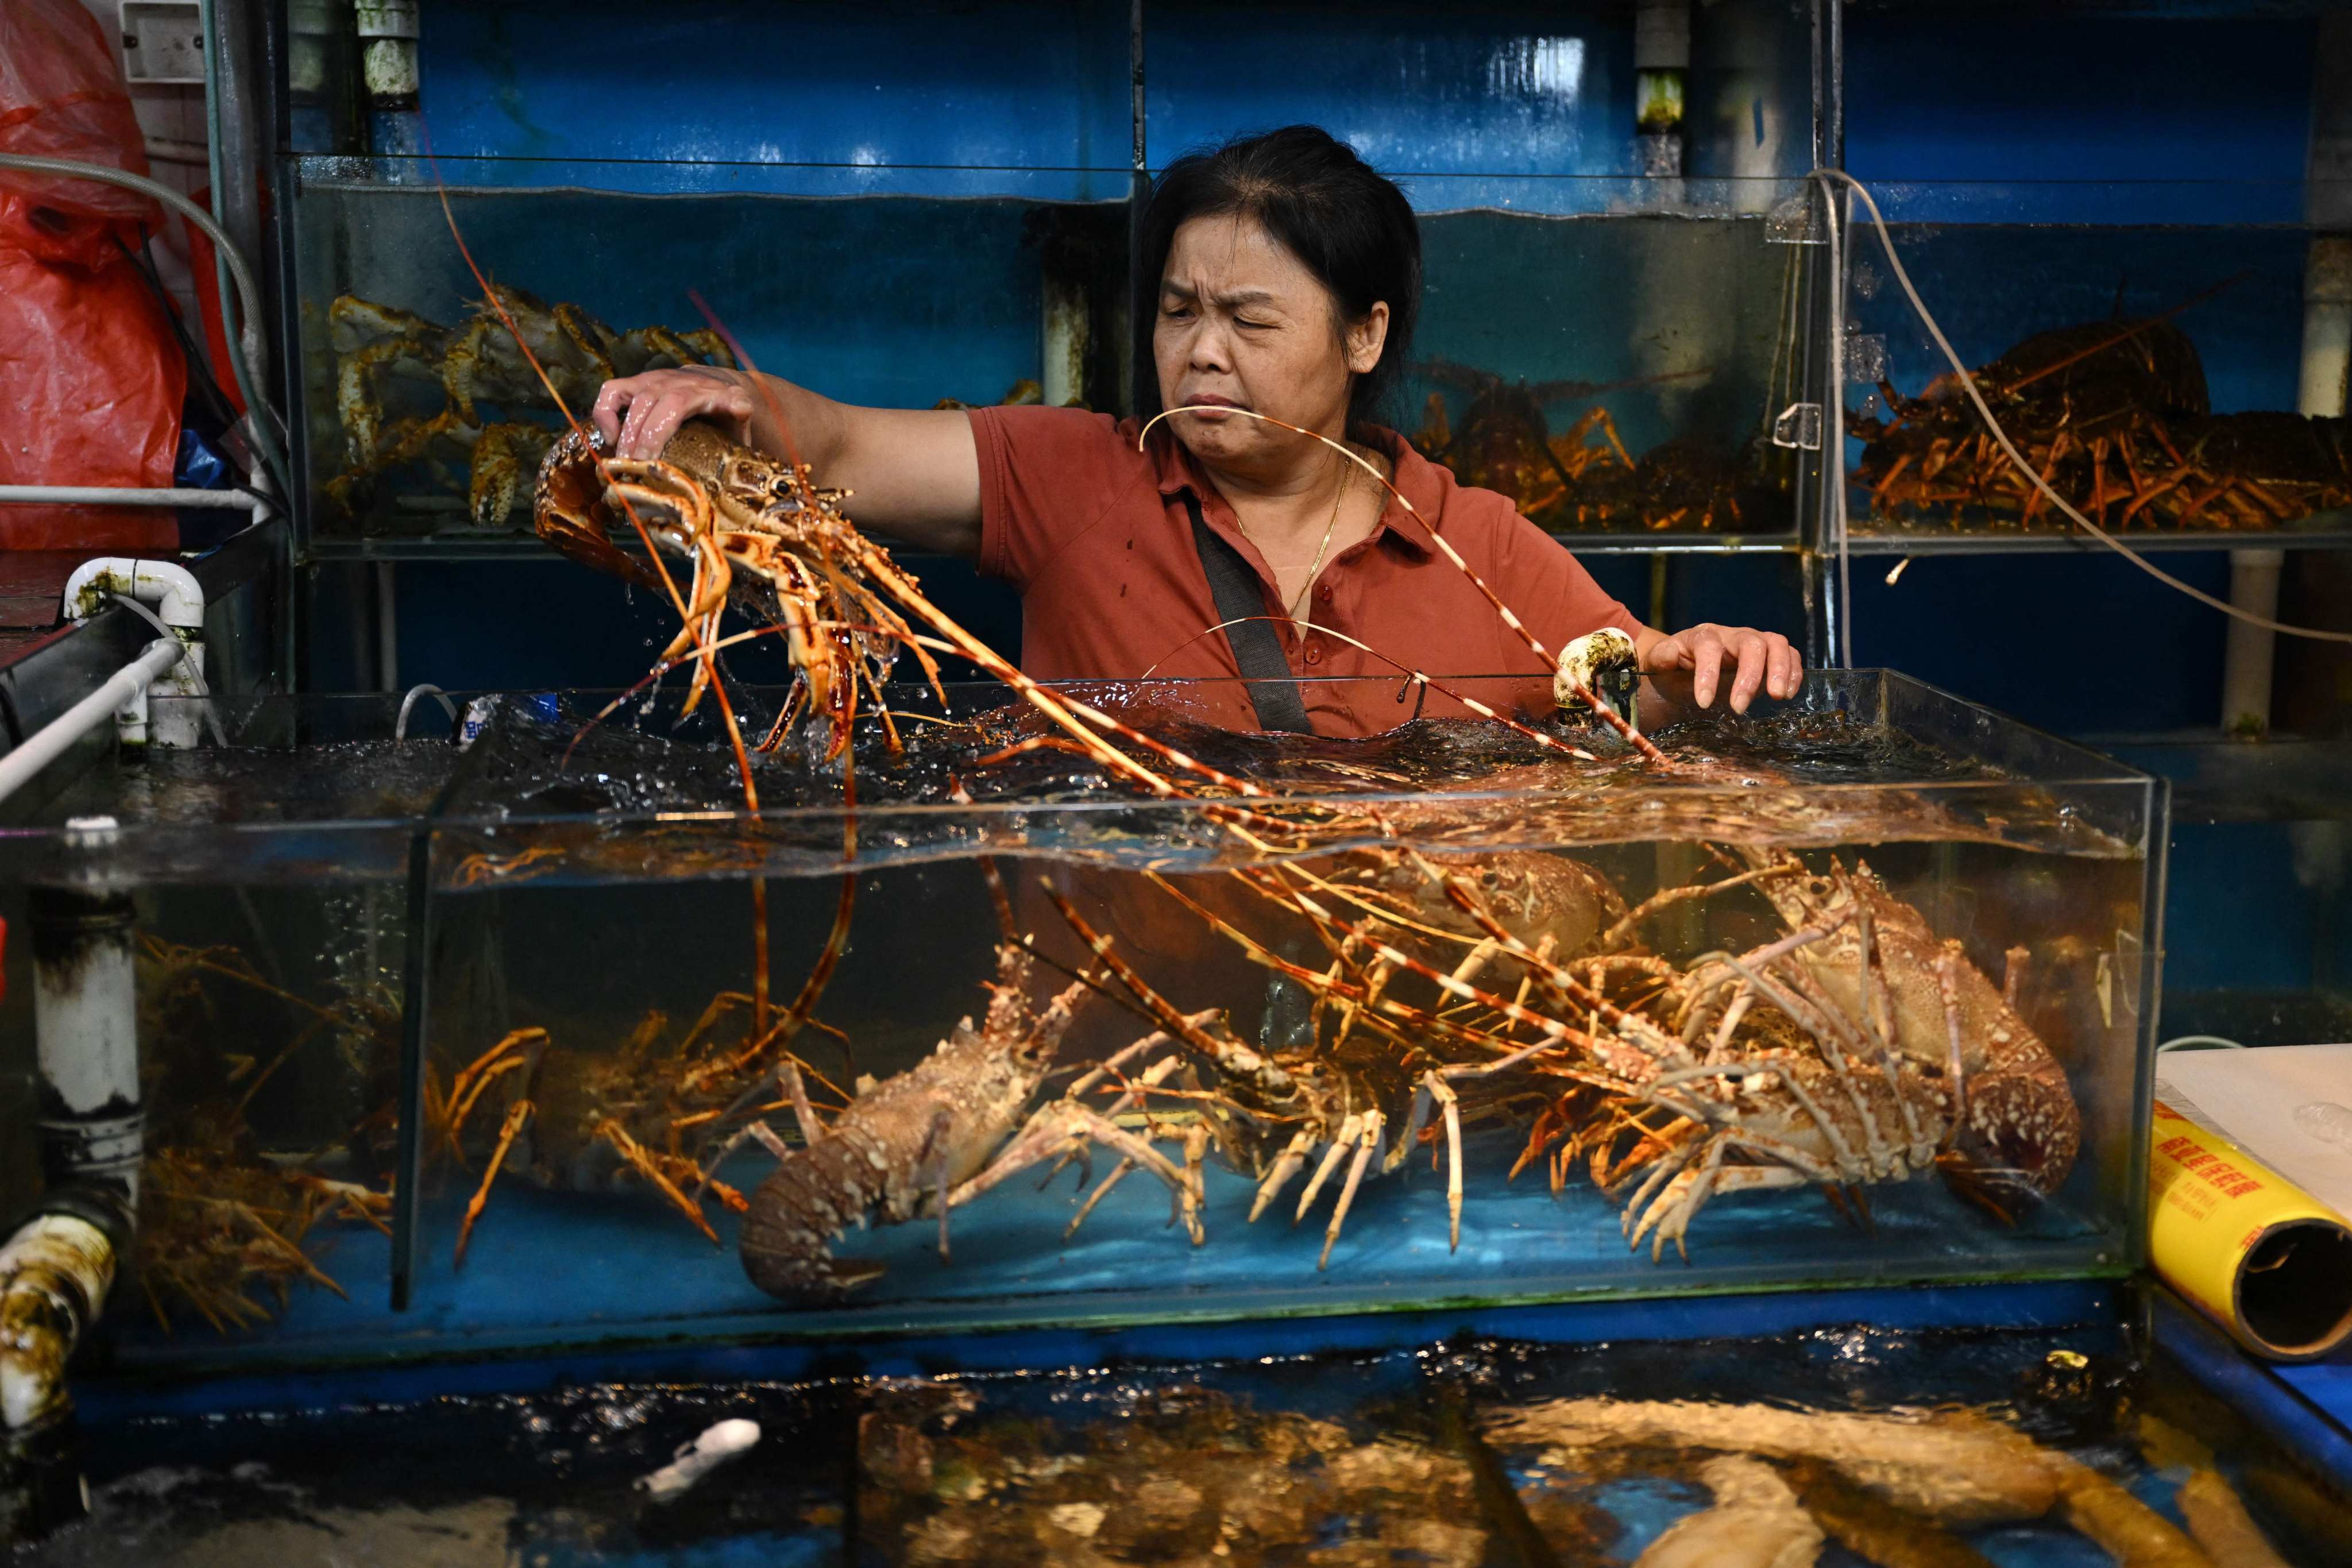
1265	673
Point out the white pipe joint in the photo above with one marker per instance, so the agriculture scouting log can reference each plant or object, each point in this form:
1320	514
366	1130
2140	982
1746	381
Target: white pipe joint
171	588
55	1273
179	601
388	33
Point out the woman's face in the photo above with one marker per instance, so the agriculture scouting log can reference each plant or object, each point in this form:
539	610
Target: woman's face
1244	324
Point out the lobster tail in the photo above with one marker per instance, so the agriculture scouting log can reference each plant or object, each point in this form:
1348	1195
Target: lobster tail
795	1216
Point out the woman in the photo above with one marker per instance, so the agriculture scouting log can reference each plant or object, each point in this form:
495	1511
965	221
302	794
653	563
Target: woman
1288	278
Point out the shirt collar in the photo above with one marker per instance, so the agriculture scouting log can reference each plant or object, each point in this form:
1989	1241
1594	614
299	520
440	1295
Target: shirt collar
1176	470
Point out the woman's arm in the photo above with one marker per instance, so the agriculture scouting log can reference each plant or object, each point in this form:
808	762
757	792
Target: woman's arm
1691	662
915	473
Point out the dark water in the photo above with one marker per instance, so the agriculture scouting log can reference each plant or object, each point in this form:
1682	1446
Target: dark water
1413	1457
542	763
342	780
1793	776
634	790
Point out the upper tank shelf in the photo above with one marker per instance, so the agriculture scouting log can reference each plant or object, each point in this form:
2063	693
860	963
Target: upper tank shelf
1612	319
1616	371
2144	346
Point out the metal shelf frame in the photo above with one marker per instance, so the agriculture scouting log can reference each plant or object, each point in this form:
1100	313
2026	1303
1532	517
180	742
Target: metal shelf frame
2075	542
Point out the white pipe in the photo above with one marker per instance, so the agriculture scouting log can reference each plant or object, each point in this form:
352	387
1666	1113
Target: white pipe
86	1027
2327	326
2248	655
55	1273
1661	48
124	691
131	495
179	601
1062	374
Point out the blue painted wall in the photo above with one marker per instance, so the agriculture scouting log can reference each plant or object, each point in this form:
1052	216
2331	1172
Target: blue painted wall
1526	106
2004	96
895	95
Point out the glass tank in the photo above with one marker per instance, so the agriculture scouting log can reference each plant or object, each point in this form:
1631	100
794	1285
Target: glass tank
1612	316
261	880
1471	1011
2147	346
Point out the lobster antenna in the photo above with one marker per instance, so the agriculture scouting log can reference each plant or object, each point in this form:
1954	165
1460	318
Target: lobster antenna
644	535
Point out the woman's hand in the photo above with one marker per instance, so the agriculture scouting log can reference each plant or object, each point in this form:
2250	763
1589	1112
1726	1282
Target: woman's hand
1757	659
637	415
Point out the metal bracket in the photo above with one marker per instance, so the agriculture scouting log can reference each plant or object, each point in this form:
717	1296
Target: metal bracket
1798	427
1792	221
1866	357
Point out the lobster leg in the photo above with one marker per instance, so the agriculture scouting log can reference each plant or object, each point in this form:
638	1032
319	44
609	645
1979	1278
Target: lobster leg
516	1117
1338	1151
1196	1153
1048	1131
512	1051
1671	1212
1368	1140
1119	1173
1287	1165
1446	1095
1947	983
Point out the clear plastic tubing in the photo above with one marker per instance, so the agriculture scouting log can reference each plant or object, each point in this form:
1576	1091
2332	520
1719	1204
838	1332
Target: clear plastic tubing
2327	1122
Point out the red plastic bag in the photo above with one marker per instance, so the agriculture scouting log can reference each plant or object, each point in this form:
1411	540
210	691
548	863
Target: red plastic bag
91	380
62	96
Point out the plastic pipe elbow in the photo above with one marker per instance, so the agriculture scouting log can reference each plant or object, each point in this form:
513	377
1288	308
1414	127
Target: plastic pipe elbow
171	588
53	1275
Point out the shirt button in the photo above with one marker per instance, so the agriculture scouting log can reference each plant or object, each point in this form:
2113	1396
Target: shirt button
1324	593
1314	653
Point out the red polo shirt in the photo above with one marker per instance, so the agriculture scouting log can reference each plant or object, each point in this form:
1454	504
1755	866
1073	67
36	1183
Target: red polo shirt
1096	537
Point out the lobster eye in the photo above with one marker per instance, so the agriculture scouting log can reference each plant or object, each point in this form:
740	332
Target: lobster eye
1488	877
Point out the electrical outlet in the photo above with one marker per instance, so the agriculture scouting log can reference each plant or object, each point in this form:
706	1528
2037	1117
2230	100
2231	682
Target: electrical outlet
162	41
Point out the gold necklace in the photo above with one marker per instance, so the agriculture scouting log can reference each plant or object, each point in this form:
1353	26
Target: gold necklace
1317	566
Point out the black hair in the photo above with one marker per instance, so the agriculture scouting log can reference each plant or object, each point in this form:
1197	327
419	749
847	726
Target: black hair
1346	222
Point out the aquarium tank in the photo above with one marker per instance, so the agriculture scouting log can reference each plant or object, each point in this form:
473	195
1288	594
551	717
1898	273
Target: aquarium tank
2143	344
518	1023
1617	305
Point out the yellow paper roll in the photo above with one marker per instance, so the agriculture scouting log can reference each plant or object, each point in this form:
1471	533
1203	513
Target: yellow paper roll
2263	1258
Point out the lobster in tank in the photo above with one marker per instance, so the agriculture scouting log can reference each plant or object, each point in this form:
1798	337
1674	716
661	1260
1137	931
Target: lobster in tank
1854	1049
2114	416
927	1133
